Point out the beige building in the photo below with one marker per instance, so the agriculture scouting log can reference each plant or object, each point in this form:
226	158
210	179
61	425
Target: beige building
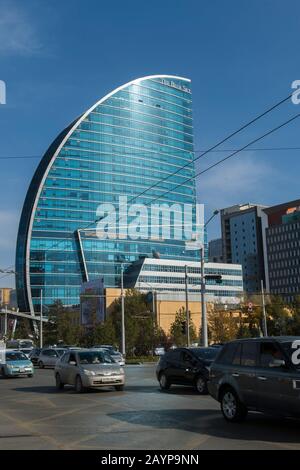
165	307
5	295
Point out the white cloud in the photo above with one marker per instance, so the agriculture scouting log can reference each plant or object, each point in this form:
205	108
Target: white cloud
17	32
237	181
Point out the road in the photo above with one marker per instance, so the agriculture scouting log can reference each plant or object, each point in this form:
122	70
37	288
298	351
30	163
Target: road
33	415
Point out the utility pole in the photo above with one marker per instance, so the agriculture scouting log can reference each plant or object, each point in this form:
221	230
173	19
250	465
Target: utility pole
265	329
153	305
123	311
204	335
41	319
187	307
5	323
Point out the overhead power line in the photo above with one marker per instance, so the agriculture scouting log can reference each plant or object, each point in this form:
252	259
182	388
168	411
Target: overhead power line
229	156
211	149
262	149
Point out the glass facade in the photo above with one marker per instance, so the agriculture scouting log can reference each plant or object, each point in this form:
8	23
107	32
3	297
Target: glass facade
131	140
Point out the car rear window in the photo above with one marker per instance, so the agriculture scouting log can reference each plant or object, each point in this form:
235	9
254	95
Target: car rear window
226	355
249	353
173	355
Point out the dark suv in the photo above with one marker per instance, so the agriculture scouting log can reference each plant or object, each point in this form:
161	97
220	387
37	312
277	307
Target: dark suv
186	366
258	374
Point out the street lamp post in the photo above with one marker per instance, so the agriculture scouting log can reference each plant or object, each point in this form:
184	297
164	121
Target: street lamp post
204	335
123	311
41	320
187	313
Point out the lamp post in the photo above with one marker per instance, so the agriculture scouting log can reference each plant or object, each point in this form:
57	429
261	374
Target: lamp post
123	311
187	313
204	335
121	259
41	320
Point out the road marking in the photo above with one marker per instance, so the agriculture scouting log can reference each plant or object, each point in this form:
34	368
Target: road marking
27	426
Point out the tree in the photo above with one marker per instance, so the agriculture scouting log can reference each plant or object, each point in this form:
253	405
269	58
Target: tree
142	335
222	326
178	329
61	325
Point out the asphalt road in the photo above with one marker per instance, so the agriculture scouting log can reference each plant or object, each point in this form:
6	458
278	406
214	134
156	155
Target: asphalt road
33	415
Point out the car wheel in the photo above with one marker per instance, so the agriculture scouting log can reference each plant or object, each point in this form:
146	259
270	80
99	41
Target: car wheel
201	385
232	408
41	365
58	382
78	385
30	375
3	374
119	388
163	382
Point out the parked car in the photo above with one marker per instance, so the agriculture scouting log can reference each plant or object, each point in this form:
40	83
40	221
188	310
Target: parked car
185	366
49	356
34	355
88	368
15	363
159	351
26	351
256	374
117	356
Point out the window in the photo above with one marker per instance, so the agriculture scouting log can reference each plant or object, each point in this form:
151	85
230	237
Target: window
237	356
227	353
72	358
248	357
65	358
269	352
186	357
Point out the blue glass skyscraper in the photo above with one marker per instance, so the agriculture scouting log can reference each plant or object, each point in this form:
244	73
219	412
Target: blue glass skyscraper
131	140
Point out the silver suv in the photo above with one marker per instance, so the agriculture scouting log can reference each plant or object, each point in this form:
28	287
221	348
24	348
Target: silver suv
88	368
256	374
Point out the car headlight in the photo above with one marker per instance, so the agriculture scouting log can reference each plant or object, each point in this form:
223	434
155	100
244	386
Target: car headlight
88	372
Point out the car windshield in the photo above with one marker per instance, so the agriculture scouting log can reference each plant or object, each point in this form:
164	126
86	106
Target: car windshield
95	357
208	354
15	356
35	351
109	348
60	352
26	344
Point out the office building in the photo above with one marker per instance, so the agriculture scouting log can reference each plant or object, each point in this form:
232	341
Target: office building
282	247
167	277
215	251
131	140
243	242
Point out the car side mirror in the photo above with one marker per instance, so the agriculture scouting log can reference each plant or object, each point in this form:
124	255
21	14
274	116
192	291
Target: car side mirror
72	363
277	363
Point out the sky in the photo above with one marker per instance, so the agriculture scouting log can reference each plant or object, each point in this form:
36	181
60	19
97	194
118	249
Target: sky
59	57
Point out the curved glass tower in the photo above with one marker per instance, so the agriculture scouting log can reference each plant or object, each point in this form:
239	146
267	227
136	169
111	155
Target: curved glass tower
127	145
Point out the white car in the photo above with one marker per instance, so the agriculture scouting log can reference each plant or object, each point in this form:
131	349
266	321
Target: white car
88	368
49	356
159	351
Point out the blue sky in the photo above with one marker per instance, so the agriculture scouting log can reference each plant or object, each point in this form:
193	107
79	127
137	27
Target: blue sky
59	57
